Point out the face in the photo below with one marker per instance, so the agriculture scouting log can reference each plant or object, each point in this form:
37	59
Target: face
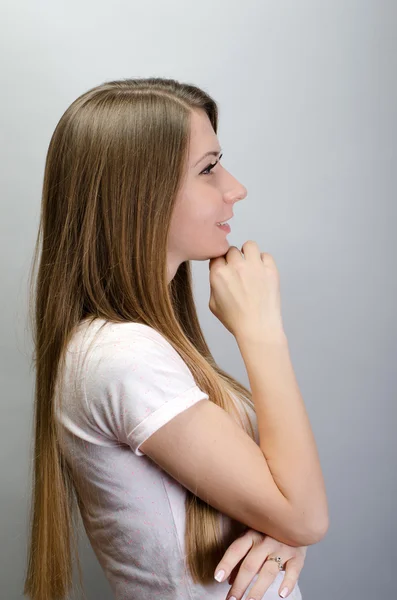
207	197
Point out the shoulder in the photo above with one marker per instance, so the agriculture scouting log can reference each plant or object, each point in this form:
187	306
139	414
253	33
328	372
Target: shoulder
101	333
117	345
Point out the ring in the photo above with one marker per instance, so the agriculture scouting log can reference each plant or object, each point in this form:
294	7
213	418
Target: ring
278	561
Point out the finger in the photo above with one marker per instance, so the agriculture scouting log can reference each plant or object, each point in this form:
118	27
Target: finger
234	572
233	555
266	575
293	570
256	539
250	250
250	567
233	254
217	259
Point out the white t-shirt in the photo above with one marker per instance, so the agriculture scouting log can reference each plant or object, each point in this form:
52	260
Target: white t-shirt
132	382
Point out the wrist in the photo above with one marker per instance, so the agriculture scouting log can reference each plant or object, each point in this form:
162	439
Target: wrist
260	335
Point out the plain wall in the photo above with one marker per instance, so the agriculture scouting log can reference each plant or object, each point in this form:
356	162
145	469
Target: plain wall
307	95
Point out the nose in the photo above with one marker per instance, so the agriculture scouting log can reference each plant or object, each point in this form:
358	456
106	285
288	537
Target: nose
238	192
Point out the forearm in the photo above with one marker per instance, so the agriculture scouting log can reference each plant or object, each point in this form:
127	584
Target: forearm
285	434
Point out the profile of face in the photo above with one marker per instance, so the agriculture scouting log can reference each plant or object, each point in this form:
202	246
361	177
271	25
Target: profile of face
206	198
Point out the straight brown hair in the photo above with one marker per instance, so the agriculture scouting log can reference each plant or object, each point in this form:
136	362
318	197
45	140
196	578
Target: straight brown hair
113	169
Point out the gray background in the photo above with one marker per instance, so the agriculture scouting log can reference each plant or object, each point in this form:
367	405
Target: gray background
307	94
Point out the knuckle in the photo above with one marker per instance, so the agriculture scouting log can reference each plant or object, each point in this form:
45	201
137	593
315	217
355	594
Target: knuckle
259	539
231	554
239	267
256	594
259	589
237	592
217	267
237	545
271	567
262	584
293	574
250	567
217	274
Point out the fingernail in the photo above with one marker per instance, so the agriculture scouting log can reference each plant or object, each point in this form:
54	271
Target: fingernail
284	592
219	576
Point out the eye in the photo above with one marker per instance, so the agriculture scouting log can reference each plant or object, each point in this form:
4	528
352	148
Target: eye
207	170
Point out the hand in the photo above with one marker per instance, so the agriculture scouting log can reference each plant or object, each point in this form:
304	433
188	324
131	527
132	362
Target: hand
245	289
246	557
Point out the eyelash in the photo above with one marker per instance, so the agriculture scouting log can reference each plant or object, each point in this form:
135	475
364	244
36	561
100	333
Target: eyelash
211	166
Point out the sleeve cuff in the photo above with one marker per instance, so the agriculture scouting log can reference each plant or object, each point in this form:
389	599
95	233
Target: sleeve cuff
164	414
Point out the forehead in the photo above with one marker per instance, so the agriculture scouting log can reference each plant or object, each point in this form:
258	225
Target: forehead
202	136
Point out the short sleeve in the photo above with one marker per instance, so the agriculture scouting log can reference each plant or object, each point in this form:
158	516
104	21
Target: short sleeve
137	382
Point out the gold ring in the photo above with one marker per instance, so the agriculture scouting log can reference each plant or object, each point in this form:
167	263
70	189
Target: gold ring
278	561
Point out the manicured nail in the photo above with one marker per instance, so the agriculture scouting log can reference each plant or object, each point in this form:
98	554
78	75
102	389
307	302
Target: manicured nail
219	576
284	592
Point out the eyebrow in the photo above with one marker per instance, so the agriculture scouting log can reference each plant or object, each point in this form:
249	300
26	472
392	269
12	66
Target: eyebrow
210	153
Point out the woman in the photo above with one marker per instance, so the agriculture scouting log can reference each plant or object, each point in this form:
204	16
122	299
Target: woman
124	375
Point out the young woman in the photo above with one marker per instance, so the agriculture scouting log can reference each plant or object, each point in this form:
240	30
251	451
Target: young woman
178	470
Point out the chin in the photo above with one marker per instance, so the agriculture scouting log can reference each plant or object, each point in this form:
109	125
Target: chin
221	251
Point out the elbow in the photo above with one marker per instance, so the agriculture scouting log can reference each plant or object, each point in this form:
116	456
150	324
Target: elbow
312	534
317	532
323	529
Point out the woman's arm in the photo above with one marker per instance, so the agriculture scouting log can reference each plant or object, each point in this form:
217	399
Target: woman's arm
286	438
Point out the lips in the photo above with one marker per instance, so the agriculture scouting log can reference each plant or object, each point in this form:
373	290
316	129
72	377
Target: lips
225	220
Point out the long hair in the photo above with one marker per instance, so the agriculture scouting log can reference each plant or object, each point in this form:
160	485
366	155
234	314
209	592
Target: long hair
114	165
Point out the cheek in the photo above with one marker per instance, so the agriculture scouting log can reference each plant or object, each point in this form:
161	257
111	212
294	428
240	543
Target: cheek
193	231
197	213
207	210
194	220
